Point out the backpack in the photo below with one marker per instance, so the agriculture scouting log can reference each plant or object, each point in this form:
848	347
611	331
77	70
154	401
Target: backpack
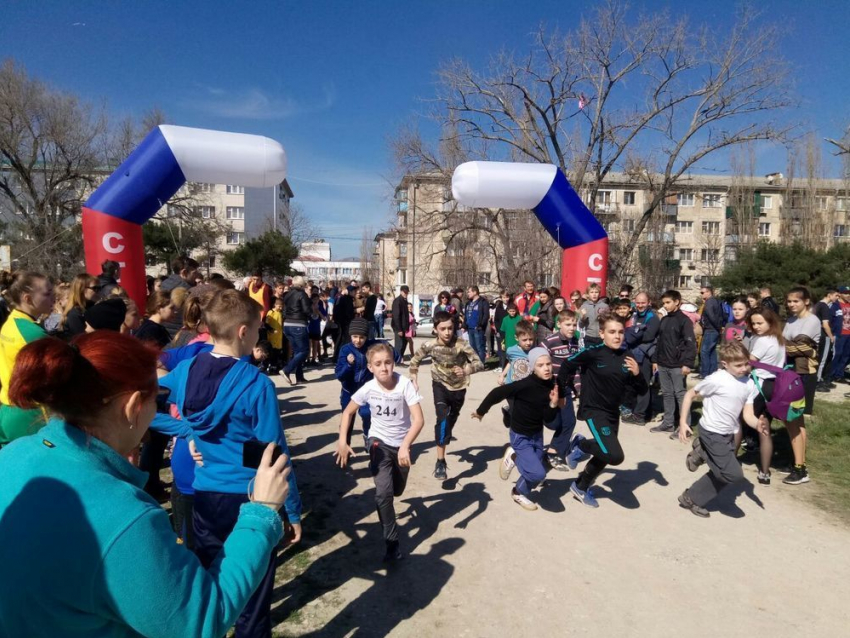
789	395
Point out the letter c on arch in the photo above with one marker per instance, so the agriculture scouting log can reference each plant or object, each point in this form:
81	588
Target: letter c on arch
594	262
110	247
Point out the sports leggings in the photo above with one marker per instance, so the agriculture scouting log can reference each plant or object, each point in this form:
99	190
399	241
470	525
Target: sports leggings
604	446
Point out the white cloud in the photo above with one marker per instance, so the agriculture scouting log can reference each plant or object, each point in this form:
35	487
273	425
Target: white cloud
255	104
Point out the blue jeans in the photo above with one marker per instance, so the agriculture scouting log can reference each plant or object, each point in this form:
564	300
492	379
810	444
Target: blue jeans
477	342
841	356
708	353
297	336
564	425
529	461
379	326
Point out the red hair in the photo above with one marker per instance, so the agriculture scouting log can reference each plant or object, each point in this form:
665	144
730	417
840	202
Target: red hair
74	380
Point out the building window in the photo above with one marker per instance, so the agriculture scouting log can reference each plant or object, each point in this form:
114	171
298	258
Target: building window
711	228
766	202
710	255
603	197
705	280
402	249
629	225
235	212
402	277
841	230
711	200
484	279
685	228
172	211
629	198
211	261
686	199
686	254
235	190
205	212
821	202
764	230
841	203
235	239
683	281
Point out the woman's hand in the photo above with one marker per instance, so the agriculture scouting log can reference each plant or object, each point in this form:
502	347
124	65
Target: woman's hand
270	485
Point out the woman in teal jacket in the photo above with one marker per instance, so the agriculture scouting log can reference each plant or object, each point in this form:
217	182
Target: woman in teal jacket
86	552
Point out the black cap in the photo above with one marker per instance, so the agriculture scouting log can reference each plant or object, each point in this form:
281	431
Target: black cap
107	315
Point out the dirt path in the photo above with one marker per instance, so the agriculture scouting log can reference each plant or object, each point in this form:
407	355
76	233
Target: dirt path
764	563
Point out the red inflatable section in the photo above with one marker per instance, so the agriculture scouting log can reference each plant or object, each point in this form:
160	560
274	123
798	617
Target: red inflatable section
585	265
106	237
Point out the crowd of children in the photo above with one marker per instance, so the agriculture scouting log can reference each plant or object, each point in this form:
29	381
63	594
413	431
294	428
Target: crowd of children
215	347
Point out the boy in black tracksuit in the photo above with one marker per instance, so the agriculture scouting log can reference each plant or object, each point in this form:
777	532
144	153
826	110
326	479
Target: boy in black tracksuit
675	351
606	371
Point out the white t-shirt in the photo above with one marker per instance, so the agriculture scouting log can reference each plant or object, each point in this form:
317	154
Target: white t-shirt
724	397
809	325
390	410
380	306
766	349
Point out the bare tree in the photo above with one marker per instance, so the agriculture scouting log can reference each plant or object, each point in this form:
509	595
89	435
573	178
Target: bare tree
842	146
50	145
368	269
295	224
807	217
585	99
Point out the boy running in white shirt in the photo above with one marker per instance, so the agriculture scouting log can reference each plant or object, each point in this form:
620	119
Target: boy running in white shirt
726	394
397	420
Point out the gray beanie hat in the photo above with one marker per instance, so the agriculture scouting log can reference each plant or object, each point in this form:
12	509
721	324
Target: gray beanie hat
534	354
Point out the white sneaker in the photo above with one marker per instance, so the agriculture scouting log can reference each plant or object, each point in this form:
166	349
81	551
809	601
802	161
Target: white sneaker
508	464
523	501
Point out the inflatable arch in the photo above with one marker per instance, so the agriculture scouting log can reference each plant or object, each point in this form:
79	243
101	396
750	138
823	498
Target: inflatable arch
544	189
165	160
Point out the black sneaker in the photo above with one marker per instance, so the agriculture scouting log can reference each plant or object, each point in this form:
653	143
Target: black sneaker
441	470
633	419
393	552
686	502
822	387
663	428
798	475
764	478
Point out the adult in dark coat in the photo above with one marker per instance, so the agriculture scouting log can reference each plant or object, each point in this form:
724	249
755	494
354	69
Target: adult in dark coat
400	319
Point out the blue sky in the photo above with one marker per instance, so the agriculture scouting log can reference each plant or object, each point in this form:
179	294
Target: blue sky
334	80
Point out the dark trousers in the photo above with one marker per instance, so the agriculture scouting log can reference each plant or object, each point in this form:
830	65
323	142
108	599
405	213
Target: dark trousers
150	460
297	336
342	337
563	426
476	341
529	461
841	357
708	352
604	447
214	517
400	343
182	506
723	467
364	411
448	404
390	481
643	401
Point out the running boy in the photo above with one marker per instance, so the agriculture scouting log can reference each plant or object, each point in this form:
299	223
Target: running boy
606	371
397	419
453	361
224	401
560	346
726	394
535	404
517	366
352	370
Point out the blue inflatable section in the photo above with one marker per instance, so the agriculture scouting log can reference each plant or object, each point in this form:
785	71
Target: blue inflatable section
565	217
142	184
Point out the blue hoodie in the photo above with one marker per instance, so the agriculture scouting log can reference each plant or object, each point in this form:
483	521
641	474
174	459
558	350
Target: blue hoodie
245	407
354	376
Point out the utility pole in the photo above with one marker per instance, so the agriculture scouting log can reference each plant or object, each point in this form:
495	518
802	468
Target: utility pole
413	268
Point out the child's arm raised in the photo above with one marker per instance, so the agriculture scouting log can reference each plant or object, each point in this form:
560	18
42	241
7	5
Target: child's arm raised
343	450
496	395
417	421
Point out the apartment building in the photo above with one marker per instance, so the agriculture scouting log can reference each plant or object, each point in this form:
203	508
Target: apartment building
316	261
237	214
698	230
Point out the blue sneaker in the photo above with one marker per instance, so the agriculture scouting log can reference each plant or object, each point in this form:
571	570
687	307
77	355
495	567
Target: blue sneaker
578	438
584	496
574	457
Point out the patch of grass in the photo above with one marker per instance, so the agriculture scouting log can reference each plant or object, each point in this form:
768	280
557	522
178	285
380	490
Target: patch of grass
828	456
